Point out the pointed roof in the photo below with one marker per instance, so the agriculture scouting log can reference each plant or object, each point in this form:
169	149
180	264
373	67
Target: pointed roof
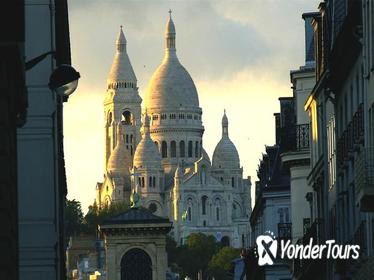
121	70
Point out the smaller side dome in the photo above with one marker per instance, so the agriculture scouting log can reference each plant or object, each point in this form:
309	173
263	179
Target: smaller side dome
119	161
146	153
225	154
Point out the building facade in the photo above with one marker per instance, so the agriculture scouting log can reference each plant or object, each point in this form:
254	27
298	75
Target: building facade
340	107
157	151
272	211
40	158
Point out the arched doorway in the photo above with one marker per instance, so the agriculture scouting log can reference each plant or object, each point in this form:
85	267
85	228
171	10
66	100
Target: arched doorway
136	265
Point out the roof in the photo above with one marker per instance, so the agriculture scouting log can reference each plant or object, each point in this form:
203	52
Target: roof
136	216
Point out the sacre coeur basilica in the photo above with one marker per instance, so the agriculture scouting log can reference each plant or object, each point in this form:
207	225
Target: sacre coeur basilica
156	150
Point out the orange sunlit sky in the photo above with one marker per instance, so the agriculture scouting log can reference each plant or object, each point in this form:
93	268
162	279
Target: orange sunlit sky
239	54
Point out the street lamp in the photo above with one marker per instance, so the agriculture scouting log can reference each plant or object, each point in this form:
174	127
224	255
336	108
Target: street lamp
64	80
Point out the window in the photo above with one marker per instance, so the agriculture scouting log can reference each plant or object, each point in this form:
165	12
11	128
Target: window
189	217
172	116
204	223
155	117
127	138
203	204
154	181
189	148
164	149
232	182
182	149
173	149
181	116
196	149
142	182
131	138
127	118
150	182
189	116
217	214
163	116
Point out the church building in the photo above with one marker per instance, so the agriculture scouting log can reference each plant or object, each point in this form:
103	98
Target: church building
156	149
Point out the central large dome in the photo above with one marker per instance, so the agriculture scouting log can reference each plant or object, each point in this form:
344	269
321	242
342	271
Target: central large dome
171	86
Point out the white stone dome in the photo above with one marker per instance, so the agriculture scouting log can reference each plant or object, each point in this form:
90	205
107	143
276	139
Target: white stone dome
146	153
225	154
119	159
171	86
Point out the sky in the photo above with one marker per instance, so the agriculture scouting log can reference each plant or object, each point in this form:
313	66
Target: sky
239	54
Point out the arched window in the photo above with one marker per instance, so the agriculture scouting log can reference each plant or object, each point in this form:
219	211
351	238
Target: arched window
189	148
154	181
201	148
203	204
196	149
157	146
182	149
203	175
217	213
150	181
232	182
189	216
164	149
142	182
127	118
127	138
131	138
173	149
139	181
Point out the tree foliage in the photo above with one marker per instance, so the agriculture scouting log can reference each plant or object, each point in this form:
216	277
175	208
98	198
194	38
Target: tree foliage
76	223
195	255
73	218
220	264
96	216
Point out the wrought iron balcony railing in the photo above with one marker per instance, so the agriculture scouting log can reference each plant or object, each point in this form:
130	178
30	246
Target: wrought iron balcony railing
295	138
315	231
302	136
351	138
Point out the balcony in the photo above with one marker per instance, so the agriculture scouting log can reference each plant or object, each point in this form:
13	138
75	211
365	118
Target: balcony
304	267
284	231
364	179
295	138
351	139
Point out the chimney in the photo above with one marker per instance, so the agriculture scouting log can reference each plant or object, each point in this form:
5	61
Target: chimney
309	38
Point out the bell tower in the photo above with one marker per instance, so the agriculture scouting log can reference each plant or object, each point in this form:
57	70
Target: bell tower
122	103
